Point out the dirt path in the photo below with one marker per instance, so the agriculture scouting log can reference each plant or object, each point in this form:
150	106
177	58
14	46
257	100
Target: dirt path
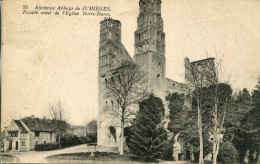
39	156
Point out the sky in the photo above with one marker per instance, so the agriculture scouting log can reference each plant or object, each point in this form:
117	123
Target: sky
47	59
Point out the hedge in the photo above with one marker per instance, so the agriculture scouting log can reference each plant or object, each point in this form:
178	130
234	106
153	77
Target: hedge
46	147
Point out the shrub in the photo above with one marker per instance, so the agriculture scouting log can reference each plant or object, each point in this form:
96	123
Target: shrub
92	138
167	150
46	147
71	140
227	153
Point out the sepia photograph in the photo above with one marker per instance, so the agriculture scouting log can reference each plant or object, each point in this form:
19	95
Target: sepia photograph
130	81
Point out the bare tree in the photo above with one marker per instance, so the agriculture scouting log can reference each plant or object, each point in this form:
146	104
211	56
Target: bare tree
57	114
219	103
125	87
218	99
195	76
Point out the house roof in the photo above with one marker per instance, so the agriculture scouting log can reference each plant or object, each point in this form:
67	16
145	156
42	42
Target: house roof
20	125
36	124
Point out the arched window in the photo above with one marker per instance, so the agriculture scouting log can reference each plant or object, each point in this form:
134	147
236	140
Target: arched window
106	81
112	102
158	75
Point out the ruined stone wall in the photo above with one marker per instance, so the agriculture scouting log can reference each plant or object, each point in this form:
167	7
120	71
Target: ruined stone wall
203	71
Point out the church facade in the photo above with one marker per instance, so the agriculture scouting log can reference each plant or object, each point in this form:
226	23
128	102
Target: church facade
149	54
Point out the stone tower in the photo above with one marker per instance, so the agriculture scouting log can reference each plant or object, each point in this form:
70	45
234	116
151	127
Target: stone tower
204	70
150	46
112	54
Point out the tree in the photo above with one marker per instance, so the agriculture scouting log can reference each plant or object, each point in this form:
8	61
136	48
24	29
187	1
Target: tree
217	100
125	87
254	117
183	121
57	113
211	99
92	126
148	134
236	126
92	130
199	76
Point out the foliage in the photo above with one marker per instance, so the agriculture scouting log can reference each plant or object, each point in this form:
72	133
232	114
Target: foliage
46	147
92	131
183	120
227	153
236	122
91	138
254	119
167	150
149	135
92	126
71	140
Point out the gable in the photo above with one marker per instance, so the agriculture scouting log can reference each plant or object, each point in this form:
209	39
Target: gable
12	127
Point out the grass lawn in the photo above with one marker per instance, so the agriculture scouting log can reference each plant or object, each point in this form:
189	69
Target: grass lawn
99	157
6	158
107	158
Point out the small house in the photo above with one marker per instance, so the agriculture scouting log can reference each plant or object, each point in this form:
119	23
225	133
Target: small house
24	134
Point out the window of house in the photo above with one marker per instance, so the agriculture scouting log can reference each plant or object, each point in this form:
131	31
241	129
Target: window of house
45	142
51	136
13	134
23	143
37	133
